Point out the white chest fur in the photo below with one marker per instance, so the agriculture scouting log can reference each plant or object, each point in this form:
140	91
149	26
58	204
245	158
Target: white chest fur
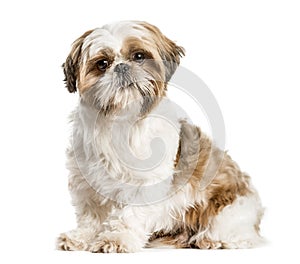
126	158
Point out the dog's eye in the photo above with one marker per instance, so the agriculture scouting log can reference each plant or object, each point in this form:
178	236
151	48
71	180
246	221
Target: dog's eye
102	64
138	57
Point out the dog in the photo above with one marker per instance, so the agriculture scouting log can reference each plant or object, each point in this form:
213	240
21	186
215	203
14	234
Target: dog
193	195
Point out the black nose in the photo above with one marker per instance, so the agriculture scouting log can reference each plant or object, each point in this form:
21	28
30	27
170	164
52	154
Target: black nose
121	68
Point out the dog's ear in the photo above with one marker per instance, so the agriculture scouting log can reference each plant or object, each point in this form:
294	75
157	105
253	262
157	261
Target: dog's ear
172	54
71	66
169	52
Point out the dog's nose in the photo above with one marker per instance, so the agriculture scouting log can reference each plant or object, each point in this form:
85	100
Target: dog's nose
121	68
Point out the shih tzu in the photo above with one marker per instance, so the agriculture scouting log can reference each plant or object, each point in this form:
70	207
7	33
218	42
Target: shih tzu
139	175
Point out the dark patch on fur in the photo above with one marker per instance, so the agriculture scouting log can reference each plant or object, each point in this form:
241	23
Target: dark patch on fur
71	66
194	157
169	52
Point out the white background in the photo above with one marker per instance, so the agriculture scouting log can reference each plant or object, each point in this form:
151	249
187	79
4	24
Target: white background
247	52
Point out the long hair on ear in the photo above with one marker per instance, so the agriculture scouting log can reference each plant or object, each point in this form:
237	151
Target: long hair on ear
168	50
71	66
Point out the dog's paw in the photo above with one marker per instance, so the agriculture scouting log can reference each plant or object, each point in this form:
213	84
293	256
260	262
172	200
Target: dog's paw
107	246
119	242
208	244
70	242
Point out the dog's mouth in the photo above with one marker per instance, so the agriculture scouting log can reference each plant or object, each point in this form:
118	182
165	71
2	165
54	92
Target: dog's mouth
135	81
129	85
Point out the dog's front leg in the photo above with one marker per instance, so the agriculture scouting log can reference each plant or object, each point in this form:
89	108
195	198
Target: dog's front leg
89	219
81	237
123	231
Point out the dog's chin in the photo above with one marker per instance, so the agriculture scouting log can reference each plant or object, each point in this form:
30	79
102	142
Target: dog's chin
132	99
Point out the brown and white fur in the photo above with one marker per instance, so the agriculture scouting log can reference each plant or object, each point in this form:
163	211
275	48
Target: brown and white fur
203	199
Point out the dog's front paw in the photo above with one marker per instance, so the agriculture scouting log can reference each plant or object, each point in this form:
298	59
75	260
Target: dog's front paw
110	242
70	242
107	246
208	244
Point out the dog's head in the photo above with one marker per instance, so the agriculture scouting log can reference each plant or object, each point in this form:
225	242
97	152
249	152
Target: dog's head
121	63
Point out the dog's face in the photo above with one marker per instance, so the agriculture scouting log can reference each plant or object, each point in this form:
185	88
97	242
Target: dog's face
122	63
